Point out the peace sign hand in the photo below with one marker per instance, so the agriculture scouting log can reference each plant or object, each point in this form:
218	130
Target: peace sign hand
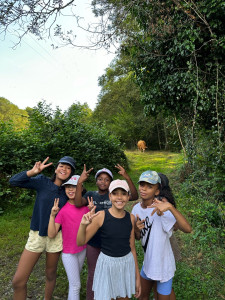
85	174
122	171
90	203
87	218
40	166
55	208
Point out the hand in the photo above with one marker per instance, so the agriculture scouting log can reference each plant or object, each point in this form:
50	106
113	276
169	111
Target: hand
90	203
40	166
87	218
85	174
138	287
55	208
160	207
140	223
122	171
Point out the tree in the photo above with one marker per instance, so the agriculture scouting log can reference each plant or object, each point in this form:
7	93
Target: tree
119	107
11	112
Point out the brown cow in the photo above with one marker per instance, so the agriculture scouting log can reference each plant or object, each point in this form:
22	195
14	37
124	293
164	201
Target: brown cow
141	145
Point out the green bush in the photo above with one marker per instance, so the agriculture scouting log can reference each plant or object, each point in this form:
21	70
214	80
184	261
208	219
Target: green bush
55	134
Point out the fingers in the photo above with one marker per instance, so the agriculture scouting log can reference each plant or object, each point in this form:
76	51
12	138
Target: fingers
56	202
118	166
89	171
154	211
44	161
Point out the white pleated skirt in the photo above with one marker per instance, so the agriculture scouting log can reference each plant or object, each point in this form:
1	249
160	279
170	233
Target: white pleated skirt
114	277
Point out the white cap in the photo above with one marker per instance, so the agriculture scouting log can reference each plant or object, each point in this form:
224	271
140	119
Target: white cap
104	170
73	180
115	184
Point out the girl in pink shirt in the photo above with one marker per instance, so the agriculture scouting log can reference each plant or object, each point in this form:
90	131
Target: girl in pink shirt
68	219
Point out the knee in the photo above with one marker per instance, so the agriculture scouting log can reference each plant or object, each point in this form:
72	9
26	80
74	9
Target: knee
50	274
18	282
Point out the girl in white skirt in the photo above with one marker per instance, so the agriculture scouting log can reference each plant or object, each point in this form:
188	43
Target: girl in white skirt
116	273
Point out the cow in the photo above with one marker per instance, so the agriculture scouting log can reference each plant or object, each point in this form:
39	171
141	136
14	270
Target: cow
141	145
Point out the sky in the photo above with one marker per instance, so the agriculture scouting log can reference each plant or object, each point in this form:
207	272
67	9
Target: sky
34	71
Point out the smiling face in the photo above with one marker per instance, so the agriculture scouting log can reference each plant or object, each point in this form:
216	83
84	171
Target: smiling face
70	191
119	198
148	191
103	181
62	172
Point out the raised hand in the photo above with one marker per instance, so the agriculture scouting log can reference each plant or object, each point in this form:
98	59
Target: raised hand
85	174
88	217
55	208
122	171
40	166
160	207
140	223
90	203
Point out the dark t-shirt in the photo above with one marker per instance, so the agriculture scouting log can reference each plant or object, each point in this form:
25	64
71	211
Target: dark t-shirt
101	202
46	191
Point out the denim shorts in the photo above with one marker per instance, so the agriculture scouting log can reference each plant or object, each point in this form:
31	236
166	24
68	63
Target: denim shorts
163	288
38	244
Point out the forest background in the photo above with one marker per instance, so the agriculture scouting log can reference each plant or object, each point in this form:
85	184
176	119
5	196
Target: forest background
165	86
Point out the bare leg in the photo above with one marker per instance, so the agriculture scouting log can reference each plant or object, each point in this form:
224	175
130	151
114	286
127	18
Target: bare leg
146	286
163	297
172	295
26	264
50	271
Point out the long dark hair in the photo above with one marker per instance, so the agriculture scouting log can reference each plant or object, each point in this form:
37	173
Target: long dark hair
165	190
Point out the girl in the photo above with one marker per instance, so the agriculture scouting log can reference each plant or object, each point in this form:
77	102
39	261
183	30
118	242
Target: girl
47	190
69	218
154	230
100	199
116	273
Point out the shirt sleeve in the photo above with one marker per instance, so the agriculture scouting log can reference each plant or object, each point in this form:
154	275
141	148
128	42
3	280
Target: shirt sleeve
168	221
22	180
59	218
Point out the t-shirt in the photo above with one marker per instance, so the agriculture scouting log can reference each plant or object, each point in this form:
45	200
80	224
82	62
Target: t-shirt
70	217
159	263
101	202
47	191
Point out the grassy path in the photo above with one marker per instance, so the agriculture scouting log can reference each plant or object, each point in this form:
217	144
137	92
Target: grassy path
199	274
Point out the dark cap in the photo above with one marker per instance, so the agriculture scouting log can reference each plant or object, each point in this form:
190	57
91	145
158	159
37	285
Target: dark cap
68	160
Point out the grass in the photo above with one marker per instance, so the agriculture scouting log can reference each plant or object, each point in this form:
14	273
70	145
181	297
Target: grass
199	275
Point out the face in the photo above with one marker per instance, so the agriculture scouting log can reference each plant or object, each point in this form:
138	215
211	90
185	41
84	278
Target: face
70	191
103	182
148	191
63	171
119	198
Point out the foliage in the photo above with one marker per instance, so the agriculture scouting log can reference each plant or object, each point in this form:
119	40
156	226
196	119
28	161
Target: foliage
119	107
55	134
10	112
176	51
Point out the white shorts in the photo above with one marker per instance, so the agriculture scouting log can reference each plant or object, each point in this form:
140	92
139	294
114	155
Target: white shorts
37	243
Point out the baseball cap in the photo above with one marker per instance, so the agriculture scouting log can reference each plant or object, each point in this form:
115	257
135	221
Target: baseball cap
150	177
104	170
68	160
115	184
73	180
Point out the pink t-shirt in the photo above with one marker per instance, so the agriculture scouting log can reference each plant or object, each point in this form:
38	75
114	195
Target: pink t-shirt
69	217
